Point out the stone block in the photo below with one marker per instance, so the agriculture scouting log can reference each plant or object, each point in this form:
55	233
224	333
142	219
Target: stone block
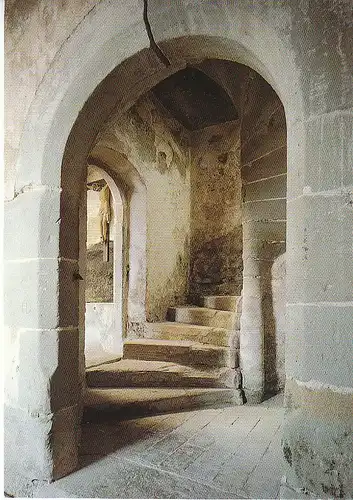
27	444
141	401
319	241
252	293
47	372
263	249
204	317
234	339
182	352
274	163
233	359
259	267
140	373
275	187
39	447
322	159
319	453
179	331
70	222
33	297
259	105
31	225
65	441
69	290
31	293
318	343
269	136
221	302
264	210
264	231
325	77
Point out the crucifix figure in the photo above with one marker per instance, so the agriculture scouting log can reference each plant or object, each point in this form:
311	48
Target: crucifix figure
105	218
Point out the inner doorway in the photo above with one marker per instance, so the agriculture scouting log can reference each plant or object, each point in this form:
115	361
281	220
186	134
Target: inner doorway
104	324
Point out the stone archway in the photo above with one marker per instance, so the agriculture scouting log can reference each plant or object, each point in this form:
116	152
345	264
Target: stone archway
130	184
42	310
105	271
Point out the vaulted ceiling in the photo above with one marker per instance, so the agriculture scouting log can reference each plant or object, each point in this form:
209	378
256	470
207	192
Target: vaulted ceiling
195	99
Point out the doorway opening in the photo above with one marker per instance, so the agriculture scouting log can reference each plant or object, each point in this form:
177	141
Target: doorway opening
209	144
104	280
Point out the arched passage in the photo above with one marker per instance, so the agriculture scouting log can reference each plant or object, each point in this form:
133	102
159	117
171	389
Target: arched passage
131	185
51	261
105	269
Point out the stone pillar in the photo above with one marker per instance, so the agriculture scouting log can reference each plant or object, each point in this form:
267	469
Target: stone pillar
317	437
251	329
42	351
263	158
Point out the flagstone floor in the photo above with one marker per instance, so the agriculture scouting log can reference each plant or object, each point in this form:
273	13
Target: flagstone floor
229	452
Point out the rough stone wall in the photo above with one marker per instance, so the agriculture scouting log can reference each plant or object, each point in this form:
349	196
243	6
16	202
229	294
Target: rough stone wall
99	274
264	166
158	148
216	233
35	30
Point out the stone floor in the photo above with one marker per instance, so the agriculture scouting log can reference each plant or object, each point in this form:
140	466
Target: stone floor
232	452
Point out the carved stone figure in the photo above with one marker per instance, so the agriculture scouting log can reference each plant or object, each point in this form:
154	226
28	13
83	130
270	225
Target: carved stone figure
104	212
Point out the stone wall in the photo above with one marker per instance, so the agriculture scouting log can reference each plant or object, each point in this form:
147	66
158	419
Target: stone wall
216	215
158	148
264	166
99	274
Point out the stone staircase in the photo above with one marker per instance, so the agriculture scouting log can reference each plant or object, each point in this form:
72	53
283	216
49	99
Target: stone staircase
189	361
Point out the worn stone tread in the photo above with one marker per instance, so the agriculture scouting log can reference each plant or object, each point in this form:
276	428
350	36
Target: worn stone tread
141	373
204	316
185	352
125	402
222	302
170	330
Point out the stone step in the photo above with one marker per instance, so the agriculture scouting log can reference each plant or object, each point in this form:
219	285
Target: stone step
204	316
203	334
139	373
222	302
126	403
184	352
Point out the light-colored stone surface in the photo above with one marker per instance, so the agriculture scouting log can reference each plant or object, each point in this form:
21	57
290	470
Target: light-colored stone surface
178	331
167	190
120	403
103	329
97	356
140	373
222	302
211	453
263	139
184	352
203	316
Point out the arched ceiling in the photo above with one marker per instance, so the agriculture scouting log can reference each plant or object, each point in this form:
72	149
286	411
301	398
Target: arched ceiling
195	100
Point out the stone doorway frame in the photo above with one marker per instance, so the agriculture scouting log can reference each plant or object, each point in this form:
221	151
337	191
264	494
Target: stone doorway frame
122	177
120	278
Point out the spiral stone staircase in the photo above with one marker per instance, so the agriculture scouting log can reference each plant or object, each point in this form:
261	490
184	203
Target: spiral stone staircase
188	362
